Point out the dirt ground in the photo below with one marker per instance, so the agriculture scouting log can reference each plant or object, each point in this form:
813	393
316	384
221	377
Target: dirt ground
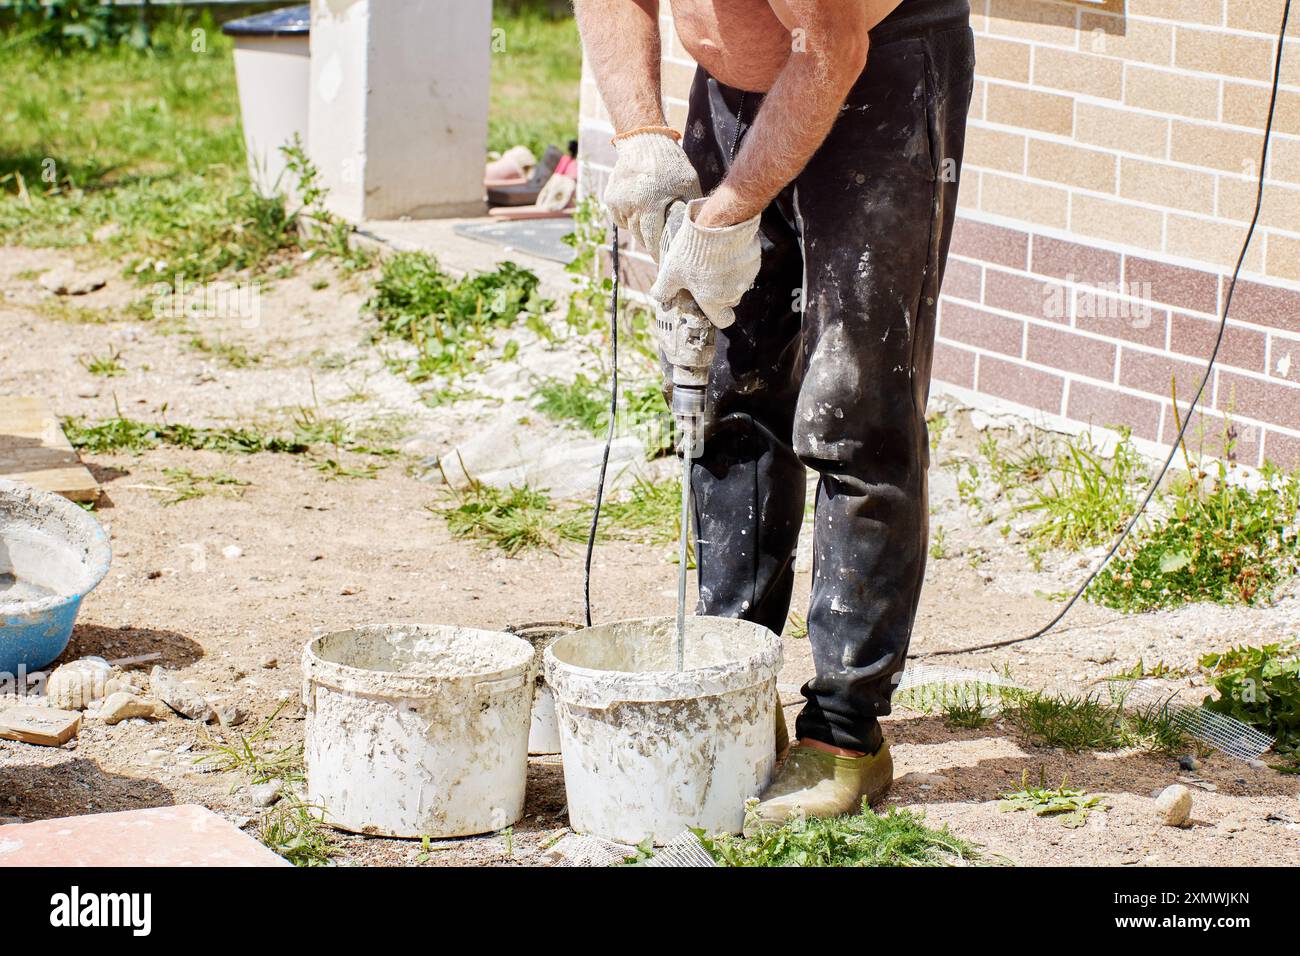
227	588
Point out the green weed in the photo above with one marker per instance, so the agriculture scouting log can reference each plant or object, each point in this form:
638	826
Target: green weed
1088	721
513	519
119	434
108	365
894	838
230	354
1070	805
1086	498
187	485
1260	686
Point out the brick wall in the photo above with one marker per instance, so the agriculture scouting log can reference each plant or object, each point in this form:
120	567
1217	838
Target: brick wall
1110	173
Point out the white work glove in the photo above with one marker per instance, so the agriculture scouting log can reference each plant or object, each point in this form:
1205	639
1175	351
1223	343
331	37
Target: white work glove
652	172
716	266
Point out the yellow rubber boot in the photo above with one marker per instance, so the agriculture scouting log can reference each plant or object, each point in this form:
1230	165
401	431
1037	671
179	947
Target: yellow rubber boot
821	784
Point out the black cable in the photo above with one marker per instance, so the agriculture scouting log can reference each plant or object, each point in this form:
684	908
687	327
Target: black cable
609	436
1187	419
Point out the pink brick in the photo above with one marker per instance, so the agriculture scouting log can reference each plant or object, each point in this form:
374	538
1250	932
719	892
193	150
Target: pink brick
970	326
1274	402
1020	383
953	365
186	835
979	240
1073	353
1265	305
1282	450
1145	328
1242	348
1174	285
1061	259
1026	295
1214	436
1112	408
1152	373
963	279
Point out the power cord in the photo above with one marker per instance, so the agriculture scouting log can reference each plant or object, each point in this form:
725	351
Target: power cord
1187	419
609	435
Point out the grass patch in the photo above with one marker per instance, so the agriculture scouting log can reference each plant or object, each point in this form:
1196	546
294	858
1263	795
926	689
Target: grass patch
1260	686
121	434
651	513
514	519
186	485
1071	806
108	365
448	321
536	71
1084	497
230	354
584	403
1080	722
894	838
1219	542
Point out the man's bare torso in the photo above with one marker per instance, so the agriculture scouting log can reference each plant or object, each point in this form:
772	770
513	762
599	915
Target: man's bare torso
743	43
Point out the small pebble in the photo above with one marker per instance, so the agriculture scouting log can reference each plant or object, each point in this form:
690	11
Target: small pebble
264	794
1174	805
1188	762
232	551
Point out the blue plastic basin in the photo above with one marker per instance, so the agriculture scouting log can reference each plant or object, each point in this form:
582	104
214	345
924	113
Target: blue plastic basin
52	554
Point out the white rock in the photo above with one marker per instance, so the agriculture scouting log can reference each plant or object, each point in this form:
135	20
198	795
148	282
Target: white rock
1174	805
66	280
121	706
264	794
232	551
74	685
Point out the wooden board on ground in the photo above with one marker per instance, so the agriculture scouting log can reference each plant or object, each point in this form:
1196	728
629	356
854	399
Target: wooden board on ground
33	449
39	725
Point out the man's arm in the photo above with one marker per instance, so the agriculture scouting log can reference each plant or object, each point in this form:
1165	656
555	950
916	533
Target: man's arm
799	110
621	38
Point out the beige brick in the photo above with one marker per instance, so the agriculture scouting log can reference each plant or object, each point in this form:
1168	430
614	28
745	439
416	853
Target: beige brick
677	79
968	194
1164	185
1083	73
1247	105
1039	20
976	111
1183	11
1164	91
1214	147
1211	241
1261	16
675	113
1284	160
1116	221
1139	40
1030	109
995	149
1072	165
1121	129
1002	59
1017	198
1224	54
1283	256
1280	210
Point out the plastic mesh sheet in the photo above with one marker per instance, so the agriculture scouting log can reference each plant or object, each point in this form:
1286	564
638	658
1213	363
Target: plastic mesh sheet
579	850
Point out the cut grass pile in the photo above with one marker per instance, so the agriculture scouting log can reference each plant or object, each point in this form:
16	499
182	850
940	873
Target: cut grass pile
894	838
449	321
121	434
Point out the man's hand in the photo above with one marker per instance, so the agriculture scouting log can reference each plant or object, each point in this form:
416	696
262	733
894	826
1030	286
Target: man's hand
652	172
716	266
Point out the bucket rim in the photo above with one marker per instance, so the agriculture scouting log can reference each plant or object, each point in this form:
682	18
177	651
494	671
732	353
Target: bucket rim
350	677
94	562
590	687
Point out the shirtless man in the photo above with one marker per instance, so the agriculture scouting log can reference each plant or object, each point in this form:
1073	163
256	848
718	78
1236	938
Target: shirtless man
820	162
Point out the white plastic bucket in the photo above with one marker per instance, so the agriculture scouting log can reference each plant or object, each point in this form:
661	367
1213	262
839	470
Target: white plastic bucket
649	751
417	730
544	730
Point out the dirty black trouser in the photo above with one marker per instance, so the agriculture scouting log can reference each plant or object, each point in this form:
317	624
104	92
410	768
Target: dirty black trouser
828	367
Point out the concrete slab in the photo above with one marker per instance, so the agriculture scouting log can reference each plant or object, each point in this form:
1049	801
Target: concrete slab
185	835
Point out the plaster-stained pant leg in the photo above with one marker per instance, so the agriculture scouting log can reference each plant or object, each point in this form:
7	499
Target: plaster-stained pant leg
748	484
875	207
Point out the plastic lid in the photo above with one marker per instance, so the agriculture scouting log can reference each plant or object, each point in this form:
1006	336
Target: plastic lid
286	21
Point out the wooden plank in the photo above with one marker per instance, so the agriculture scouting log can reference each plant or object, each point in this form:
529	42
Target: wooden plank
34	450
39	725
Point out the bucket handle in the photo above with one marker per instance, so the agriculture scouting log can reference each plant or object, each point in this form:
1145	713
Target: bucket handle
490	688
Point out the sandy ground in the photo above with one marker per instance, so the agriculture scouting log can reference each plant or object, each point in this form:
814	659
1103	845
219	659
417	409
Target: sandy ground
311	553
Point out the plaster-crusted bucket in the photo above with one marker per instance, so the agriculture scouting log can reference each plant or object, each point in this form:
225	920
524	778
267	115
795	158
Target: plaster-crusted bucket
417	730
52	553
544	731
649	751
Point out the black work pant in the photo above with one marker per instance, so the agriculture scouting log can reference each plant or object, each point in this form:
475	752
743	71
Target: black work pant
828	367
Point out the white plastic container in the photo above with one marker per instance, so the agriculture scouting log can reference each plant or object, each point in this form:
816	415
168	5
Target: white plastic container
649	751
544	731
273	73
417	730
